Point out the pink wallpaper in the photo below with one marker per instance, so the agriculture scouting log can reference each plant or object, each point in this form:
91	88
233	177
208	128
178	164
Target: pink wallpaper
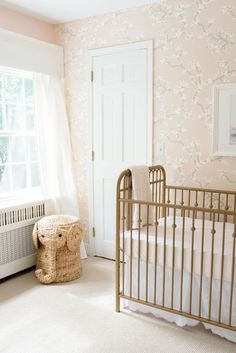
195	48
26	25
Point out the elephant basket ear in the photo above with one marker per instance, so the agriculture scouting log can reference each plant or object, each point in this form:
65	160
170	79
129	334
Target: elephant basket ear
35	236
74	238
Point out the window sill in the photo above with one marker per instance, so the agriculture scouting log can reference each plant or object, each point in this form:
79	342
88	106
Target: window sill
20	201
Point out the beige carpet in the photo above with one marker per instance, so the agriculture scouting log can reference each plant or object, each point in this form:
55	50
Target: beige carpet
79	317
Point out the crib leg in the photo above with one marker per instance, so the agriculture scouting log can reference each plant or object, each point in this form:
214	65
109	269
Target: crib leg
117	283
117	303
117	286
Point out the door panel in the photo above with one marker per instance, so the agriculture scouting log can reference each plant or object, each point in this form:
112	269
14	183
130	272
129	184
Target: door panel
120	126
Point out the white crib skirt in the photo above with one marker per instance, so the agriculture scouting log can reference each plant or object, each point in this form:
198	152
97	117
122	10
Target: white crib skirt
171	317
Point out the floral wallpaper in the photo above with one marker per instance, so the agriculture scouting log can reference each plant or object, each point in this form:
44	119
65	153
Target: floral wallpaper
194	49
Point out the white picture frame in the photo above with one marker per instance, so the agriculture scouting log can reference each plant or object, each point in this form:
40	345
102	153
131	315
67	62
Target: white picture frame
224	135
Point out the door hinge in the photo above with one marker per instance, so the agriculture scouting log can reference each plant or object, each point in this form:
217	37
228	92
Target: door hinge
91	76
92	155
93	232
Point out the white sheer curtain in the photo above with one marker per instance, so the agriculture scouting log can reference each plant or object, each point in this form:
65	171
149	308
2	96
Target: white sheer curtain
55	153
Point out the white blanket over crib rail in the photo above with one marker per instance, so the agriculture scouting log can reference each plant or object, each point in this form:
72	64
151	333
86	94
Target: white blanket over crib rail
141	191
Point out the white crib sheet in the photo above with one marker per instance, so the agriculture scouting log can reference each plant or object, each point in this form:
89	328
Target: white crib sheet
178	319
217	250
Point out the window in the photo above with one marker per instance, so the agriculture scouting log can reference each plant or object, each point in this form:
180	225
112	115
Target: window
19	162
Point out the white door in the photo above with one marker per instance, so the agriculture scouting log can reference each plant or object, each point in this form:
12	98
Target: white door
122	128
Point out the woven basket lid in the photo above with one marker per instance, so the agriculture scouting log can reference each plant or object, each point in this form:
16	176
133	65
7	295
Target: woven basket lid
57	221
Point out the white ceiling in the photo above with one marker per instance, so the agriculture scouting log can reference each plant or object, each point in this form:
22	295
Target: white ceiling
59	11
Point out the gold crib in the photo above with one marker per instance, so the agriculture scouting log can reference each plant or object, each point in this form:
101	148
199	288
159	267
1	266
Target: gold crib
209	210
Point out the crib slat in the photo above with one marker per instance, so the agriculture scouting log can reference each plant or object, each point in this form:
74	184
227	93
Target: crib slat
196	201
131	249
204	199
168	201
182	201
182	262
152	185
219	196
192	262
232	274
147	252
159	198
156	185
222	269
212	263
189	199
164	264
202	263
139	249
227	205
173	259
155	261
211	204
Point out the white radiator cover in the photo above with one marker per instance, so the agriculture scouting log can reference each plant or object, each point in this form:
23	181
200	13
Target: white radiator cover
17	251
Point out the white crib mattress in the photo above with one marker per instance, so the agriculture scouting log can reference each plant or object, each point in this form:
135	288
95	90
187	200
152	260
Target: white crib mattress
187	246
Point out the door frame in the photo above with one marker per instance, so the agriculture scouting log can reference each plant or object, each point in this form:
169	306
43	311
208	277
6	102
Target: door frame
148	45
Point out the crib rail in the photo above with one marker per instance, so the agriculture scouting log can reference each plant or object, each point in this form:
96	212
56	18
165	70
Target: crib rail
220	200
194	262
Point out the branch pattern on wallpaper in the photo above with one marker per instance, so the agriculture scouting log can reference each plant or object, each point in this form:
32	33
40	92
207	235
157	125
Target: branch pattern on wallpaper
195	48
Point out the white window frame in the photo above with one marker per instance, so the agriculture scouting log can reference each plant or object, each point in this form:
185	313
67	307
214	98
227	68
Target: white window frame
29	193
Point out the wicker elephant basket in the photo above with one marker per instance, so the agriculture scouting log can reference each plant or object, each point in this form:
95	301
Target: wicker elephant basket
57	240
